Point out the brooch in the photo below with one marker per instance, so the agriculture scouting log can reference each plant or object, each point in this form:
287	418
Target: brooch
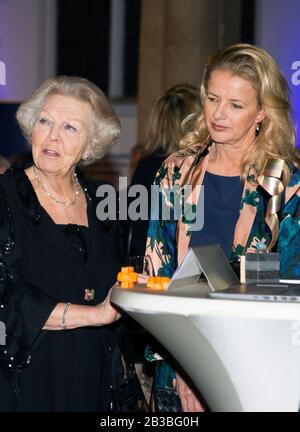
89	295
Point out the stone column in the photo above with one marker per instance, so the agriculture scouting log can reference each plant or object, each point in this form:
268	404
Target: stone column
151	58
176	38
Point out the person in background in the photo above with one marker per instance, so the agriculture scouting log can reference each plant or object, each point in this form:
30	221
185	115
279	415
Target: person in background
245	122
4	164
164	131
57	259
135	156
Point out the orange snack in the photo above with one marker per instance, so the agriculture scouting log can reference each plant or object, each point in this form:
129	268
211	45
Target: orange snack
151	282
165	282
158	282
127	277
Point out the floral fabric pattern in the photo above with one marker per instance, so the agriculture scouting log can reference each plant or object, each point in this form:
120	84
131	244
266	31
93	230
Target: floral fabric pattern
168	240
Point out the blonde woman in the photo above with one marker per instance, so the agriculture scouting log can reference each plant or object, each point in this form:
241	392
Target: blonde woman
245	121
57	260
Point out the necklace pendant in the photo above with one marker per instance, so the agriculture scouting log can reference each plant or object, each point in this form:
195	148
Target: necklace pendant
89	295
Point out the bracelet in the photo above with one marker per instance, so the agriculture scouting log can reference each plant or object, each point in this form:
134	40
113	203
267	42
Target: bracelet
64	315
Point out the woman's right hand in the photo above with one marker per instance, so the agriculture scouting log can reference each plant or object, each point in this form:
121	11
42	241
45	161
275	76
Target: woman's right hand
71	316
105	313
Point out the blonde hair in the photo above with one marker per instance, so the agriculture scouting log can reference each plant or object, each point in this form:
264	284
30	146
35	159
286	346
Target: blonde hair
106	125
164	127
276	138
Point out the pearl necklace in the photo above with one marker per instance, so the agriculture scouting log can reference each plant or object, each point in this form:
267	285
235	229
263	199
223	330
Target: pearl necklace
63	203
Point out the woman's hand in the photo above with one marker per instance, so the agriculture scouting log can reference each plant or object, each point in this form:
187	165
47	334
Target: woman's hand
189	401
70	316
105	313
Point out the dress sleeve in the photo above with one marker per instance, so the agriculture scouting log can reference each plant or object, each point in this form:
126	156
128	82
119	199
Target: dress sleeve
24	308
289	240
161	244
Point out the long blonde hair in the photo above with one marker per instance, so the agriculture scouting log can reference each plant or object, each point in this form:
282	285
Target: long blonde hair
164	127
276	138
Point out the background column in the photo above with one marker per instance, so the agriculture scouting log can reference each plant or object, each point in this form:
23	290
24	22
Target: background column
176	38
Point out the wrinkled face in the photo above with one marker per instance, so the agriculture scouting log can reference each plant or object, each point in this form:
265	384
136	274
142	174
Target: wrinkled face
60	134
231	111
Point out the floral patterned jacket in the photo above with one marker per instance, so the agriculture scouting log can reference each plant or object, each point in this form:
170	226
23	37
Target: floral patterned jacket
168	240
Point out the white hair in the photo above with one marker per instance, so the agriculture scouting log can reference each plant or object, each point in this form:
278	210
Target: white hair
106	125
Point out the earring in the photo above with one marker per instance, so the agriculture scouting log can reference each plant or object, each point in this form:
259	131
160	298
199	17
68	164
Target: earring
85	156
257	129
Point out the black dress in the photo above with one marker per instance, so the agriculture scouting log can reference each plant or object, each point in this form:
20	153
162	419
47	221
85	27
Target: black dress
42	264
144	175
136	233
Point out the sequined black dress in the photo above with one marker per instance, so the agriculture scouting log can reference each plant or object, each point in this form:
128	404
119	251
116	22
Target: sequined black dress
41	264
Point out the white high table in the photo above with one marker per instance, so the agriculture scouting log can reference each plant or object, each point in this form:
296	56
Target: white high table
242	355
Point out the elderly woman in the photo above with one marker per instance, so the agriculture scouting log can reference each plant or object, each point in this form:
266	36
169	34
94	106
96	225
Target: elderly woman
57	260
245	122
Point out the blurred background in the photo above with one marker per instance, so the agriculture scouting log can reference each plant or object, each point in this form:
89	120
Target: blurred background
134	50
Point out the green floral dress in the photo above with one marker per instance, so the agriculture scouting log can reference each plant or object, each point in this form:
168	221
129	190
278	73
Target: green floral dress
168	238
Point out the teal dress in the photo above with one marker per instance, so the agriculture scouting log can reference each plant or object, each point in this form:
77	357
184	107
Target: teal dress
288	245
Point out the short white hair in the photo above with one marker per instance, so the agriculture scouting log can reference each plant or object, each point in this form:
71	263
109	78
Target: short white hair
106	125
